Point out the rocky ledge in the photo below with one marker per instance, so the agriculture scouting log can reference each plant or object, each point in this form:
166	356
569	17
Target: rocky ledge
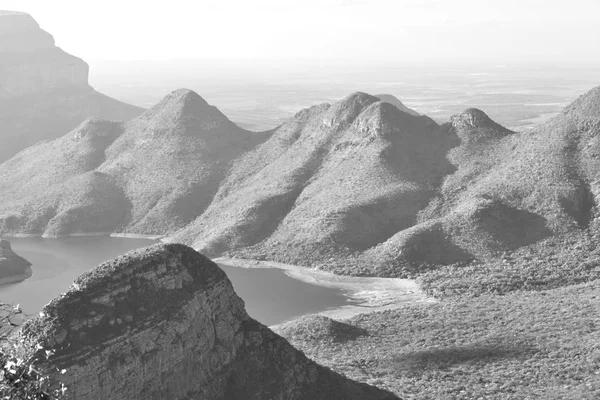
13	268
165	323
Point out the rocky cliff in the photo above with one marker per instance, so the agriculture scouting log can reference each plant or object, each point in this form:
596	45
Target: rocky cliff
30	60
165	323
44	92
13	268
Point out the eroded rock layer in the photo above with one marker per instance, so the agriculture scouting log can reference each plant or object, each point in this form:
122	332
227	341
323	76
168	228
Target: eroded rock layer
165	323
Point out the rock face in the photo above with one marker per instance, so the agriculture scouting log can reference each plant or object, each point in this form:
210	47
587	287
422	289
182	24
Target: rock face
44	92
165	323
13	268
31	62
151	175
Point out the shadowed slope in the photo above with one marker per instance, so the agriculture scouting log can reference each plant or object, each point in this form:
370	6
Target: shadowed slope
509	190
393	100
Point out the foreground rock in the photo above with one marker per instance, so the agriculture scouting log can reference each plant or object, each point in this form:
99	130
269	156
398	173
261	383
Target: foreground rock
165	323
44	92
13	268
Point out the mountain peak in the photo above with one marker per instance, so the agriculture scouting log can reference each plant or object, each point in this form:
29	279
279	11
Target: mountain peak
348	109
393	100
185	98
185	106
472	118
474	124
12	22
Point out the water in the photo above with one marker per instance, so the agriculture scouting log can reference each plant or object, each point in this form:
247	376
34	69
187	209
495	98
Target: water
270	295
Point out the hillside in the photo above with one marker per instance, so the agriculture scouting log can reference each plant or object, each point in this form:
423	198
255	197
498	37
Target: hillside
13	268
165	323
151	175
44	92
356	187
336	179
359	187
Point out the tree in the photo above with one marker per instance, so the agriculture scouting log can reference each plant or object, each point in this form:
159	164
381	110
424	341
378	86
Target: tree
20	379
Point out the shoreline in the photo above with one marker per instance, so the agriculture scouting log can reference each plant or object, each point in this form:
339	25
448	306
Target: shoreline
83	234
17	278
371	294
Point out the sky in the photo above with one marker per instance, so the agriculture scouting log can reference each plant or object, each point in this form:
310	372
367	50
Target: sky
343	31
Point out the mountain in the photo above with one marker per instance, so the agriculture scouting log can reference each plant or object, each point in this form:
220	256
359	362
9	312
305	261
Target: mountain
355	187
361	188
151	175
388	98
44	92
13	268
332	182
165	323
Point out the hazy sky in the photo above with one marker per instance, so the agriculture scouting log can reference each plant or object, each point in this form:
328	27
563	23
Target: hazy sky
351	30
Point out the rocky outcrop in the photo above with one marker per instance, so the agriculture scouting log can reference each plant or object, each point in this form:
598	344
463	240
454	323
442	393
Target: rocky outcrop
13	268
44	92
165	323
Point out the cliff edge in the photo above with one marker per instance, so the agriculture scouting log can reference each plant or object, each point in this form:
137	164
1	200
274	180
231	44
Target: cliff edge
165	323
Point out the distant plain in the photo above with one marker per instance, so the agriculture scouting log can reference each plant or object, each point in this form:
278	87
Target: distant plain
516	96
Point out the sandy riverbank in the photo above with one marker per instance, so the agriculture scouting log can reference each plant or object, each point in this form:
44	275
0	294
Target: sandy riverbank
370	294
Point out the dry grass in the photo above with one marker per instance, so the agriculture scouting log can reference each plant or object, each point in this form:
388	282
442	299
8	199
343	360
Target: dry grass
518	346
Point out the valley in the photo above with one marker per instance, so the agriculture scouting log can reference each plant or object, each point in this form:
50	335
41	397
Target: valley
410	233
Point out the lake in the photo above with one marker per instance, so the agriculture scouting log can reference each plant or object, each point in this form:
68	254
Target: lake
270	295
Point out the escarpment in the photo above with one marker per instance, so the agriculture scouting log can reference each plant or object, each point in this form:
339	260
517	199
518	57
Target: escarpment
44	91
30	60
165	323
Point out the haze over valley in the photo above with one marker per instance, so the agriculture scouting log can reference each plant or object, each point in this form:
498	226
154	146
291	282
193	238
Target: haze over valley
412	219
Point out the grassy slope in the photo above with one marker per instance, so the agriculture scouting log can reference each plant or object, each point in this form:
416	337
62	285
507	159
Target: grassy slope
523	345
332	182
136	177
524	325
